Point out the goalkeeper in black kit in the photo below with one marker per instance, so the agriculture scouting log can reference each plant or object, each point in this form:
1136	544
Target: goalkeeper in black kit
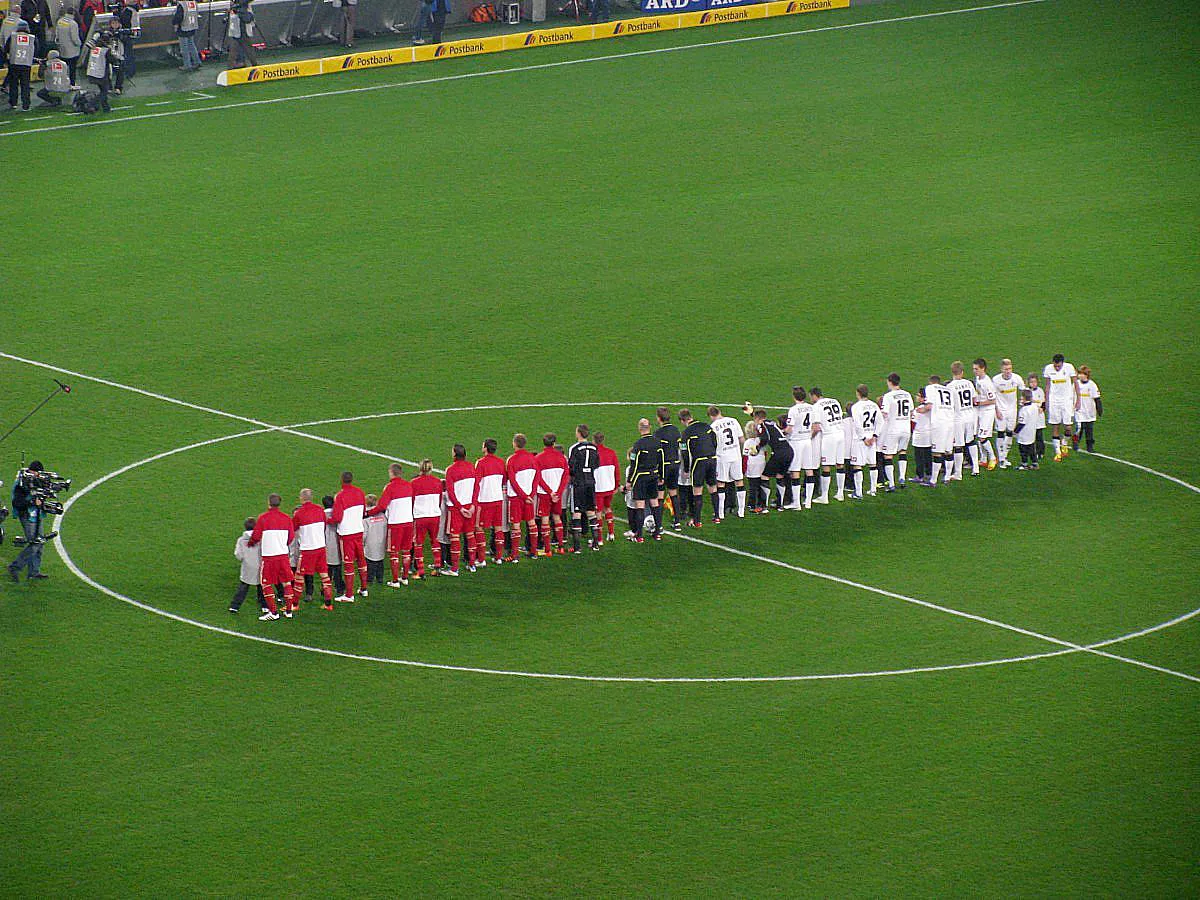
645	482
582	461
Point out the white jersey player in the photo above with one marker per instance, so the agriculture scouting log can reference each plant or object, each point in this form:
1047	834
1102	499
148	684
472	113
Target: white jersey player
729	458
827	422
806	447
963	396
940	401
896	431
988	414
865	421
1063	399
1008	385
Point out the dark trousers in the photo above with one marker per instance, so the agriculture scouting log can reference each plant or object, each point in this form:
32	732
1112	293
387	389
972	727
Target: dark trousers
46	97
1039	444
439	22
1089	434
105	86
1028	453
129	64
242	52
239	596
30	557
598	10
335	575
18	79
375	571
71	62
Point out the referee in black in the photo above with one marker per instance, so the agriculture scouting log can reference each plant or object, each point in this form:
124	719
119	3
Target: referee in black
699	454
645	477
668	435
582	460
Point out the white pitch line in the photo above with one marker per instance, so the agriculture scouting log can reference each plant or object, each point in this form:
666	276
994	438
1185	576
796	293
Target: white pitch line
267	427
516	69
161	103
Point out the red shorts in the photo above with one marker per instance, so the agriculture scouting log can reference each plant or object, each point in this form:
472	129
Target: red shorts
460	523
548	507
604	500
491	515
276	570
427	526
313	562
519	509
400	536
352	550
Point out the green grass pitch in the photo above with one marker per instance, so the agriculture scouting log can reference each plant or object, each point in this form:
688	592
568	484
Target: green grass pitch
714	224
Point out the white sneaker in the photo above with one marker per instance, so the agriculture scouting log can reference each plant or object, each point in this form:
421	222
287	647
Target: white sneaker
345	598
630	534
954	478
362	592
287	613
404	582
268	617
870	493
394	584
840	496
808	504
482	563
823	500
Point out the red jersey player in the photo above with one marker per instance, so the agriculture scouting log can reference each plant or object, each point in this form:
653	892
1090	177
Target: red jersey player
309	519
461	494
427	517
521	475
490	470
348	508
274	531
397	501
551	481
606	485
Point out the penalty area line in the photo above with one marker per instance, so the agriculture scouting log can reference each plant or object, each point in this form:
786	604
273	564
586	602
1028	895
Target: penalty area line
608	57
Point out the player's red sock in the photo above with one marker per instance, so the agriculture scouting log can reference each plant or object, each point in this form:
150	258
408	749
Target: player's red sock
362	573
419	558
298	584
558	533
269	595
395	566
474	549
289	596
349	578
326	587
544	535
407	563
609	521
437	555
455	551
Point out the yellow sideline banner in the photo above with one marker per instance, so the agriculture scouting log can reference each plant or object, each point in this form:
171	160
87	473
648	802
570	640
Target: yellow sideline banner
546	37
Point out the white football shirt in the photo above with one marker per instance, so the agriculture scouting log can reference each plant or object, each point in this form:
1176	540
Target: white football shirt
1060	390
897	411
865	415
964	394
1089	393
800	421
729	437
1008	390
828	412
941	402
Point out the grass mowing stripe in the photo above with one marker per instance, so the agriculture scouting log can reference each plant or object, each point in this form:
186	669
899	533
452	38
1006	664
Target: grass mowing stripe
530	68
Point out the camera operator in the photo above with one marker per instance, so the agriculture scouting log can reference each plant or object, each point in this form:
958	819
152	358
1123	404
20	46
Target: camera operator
98	51
240	36
27	507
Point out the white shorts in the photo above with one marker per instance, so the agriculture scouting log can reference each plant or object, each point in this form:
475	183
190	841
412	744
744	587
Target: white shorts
942	436
1009	424
896	442
861	454
729	470
964	430
1062	412
833	448
987	422
806	455
755	465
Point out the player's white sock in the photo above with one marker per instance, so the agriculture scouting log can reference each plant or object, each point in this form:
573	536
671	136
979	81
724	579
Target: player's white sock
937	470
841	481
989	447
809	485
875	478
741	500
973	449
858	481
720	503
958	464
891	474
825	485
904	468
1056	446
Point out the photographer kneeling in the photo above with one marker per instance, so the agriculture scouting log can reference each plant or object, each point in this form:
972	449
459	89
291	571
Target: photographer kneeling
27	507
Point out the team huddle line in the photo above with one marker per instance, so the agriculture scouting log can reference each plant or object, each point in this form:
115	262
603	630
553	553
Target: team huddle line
504	506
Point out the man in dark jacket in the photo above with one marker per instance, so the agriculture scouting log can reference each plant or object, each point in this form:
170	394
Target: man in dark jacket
28	510
440	9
